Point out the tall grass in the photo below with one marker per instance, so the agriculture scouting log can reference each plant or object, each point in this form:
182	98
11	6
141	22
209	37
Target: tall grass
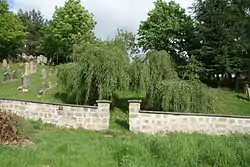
72	148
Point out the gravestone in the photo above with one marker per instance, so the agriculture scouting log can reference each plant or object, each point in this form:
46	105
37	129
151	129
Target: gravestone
44	74
248	92
44	86
27	68
31	67
35	68
7	76
8	69
25	81
13	74
5	62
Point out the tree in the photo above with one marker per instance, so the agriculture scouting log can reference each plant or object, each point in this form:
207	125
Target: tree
222	29
34	22
129	41
70	25
167	28
12	33
98	70
155	74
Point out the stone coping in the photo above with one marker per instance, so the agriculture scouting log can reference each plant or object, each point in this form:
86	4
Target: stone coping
103	101
50	103
193	114
134	101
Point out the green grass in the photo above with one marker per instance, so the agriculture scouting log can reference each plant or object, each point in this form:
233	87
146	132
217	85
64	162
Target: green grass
72	148
9	89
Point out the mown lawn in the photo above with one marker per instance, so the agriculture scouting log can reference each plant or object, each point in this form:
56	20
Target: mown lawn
78	148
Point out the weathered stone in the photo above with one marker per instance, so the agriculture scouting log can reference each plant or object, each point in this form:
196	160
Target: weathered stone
44	74
5	62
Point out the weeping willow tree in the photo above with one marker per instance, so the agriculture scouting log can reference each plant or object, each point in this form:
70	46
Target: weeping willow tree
156	75
98	70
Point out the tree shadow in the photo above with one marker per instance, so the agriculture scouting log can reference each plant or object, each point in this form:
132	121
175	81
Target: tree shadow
124	124
242	98
64	98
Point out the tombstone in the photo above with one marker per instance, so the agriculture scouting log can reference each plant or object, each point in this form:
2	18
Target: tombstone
25	81
9	69
13	74
248	91
35	68
38	61
44	86
5	62
44	74
27	68
7	76
31	67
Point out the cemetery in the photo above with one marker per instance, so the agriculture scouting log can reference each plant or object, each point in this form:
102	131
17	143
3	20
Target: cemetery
175	93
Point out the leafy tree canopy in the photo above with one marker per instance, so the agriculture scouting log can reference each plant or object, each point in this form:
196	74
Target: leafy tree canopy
34	22
12	33
98	70
70	24
167	28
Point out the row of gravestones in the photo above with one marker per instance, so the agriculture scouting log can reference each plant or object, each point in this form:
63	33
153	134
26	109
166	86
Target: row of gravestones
29	69
39	59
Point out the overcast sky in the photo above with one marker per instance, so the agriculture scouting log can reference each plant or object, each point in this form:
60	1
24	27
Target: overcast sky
109	14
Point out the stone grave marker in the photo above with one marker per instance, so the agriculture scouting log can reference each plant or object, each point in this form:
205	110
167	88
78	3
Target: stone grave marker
31	67
27	68
248	92
8	69
13	74
44	86
6	76
35	68
44	74
25	81
5	62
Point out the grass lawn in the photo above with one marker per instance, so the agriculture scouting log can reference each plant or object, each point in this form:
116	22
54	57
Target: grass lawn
78	148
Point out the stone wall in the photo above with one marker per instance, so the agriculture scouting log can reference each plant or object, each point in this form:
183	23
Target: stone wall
71	116
167	122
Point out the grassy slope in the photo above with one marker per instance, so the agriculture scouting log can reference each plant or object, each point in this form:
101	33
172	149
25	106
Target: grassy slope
72	148
9	89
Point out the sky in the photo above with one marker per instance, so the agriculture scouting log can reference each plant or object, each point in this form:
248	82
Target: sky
109	14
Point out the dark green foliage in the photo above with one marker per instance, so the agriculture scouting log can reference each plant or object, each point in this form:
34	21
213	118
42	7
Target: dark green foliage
34	22
222	28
